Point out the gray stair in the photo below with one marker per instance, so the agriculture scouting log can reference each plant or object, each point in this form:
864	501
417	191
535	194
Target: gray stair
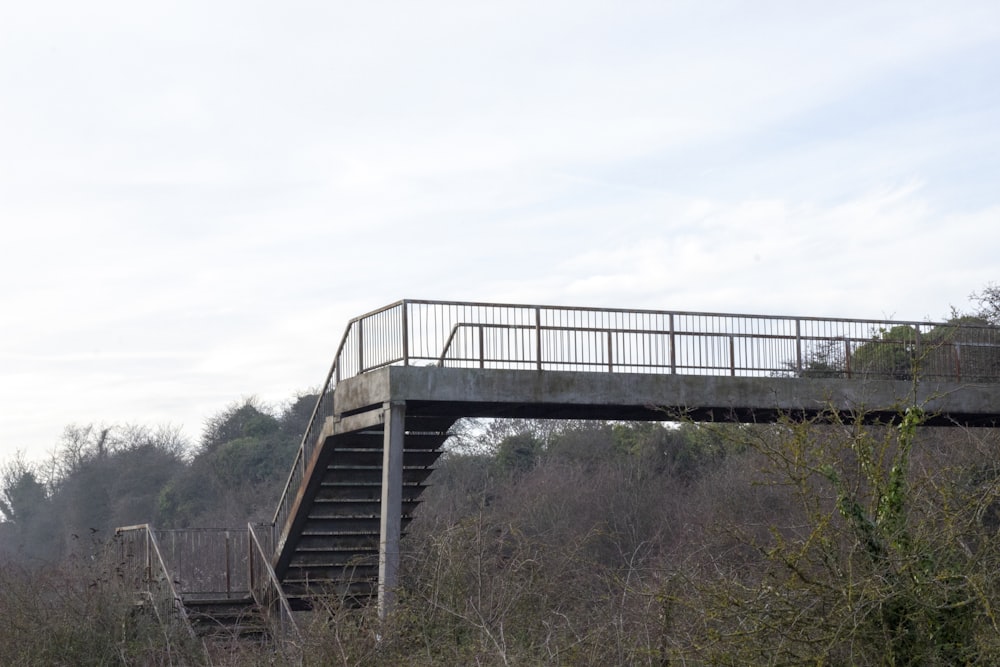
333	548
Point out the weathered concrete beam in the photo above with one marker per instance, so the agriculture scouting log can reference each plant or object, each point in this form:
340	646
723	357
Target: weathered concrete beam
578	395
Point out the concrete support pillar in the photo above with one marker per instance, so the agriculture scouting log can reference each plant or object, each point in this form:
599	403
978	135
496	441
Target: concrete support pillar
392	506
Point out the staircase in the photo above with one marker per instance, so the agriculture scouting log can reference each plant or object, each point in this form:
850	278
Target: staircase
331	545
232	584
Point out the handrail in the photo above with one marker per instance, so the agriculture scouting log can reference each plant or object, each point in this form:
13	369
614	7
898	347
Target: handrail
308	437
151	550
673	335
266	589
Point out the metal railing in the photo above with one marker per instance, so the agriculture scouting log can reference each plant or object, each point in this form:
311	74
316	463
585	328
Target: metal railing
144	570
529	337
264	584
207	563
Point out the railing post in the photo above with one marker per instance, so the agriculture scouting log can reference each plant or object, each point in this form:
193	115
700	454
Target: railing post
798	346
406	333
958	361
732	356
538	337
250	560
229	586
611	365
673	347
847	356
149	556
361	346
482	347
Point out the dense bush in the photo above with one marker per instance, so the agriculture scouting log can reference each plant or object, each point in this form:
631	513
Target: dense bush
597	543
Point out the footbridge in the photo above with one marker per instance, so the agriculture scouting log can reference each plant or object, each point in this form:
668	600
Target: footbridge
403	374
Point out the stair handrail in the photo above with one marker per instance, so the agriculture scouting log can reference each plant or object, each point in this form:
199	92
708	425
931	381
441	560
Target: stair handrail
266	589
153	561
304	452
324	405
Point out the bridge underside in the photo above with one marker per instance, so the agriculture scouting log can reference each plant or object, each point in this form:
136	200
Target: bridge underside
448	392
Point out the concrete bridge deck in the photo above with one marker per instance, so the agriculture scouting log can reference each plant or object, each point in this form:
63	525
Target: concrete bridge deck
460	392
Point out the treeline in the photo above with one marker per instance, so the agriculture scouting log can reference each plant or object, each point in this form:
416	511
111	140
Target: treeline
100	478
792	543
595	543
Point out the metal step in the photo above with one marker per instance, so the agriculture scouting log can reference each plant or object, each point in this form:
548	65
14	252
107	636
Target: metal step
335	490
357	457
373	475
343	507
322	542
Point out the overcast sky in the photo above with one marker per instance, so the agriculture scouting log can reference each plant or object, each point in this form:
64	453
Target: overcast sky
196	197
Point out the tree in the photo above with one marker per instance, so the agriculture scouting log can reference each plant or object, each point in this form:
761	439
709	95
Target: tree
988	303
21	494
26	508
877	556
891	354
237	471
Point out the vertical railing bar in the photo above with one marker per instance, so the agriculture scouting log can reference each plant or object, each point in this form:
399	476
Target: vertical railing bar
228	572
732	356
360	343
611	368
847	356
672	346
538	336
